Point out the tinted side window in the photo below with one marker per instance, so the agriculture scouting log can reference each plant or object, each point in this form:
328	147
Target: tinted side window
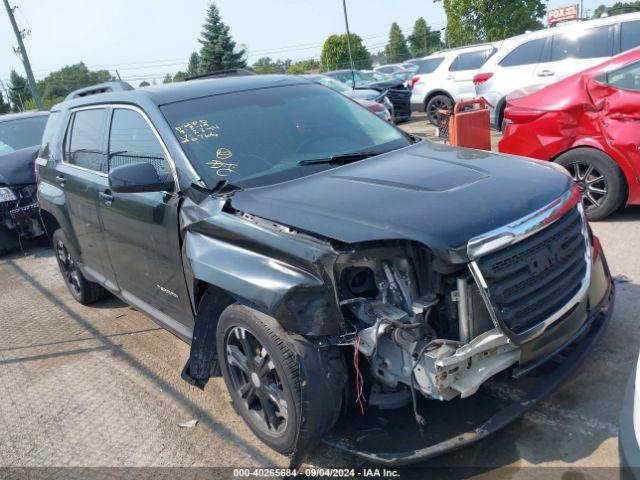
131	140
429	66
627	78
592	43
630	35
85	144
526	54
50	134
470	61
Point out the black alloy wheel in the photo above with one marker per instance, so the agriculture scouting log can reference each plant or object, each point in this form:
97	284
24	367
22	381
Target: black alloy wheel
254	378
69	269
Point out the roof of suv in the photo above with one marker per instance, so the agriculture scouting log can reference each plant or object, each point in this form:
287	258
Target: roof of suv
175	92
575	26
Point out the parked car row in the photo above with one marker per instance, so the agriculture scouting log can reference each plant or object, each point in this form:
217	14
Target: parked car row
395	90
372	100
535	58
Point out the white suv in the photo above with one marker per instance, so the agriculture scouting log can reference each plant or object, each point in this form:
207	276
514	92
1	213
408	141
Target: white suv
546	56
445	77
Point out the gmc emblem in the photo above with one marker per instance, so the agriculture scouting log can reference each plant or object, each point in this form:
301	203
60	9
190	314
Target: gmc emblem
545	258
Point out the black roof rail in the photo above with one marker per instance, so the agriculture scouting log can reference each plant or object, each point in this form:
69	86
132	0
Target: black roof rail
115	86
231	72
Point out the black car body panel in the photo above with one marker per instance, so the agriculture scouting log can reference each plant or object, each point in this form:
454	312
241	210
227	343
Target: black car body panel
17	168
413	194
330	255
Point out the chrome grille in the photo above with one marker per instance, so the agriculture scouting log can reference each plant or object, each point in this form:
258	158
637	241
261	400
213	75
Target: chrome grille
531	280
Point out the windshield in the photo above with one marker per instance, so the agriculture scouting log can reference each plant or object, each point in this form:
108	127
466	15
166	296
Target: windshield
21	133
259	137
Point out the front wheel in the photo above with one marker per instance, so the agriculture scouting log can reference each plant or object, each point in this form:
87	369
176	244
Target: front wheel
262	376
599	178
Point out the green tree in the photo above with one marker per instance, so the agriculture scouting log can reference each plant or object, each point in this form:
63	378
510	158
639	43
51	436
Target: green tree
335	53
616	9
266	65
168	78
193	67
471	21
144	84
218	50
304	66
20	93
180	76
71	77
396	50
423	40
5	107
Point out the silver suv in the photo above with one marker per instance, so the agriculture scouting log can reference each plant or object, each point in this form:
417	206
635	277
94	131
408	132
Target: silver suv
546	56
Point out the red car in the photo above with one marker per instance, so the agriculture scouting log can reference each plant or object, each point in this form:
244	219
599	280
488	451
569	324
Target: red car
590	124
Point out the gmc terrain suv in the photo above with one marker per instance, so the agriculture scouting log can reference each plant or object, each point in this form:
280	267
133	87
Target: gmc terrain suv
342	276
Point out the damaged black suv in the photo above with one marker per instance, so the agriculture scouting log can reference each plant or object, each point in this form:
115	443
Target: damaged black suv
395	297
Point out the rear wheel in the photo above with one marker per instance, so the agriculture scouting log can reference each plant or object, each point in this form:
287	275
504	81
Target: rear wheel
436	103
599	178
81	289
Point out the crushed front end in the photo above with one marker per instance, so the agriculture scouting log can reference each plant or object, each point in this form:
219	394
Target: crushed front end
445	350
19	212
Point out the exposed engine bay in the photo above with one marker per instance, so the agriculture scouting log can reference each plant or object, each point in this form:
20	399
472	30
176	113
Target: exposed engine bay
422	326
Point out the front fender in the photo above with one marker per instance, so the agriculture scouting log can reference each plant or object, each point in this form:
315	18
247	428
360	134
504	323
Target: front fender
280	273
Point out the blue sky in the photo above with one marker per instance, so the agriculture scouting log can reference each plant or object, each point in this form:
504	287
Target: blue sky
148	38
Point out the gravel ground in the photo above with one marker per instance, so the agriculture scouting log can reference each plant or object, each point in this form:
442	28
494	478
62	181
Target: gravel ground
100	386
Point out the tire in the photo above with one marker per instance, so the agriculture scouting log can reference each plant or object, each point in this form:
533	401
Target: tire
438	102
84	291
599	178
269	376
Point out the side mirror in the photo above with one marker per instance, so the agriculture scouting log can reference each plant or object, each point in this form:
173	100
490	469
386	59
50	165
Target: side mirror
137	178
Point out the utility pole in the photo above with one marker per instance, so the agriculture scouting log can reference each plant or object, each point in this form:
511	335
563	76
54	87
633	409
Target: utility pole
346	22
25	59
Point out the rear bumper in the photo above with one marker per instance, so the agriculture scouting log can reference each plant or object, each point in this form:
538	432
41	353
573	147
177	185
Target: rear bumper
393	438
627	439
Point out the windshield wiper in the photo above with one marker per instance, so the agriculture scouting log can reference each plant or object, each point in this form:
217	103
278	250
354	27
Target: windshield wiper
342	158
224	187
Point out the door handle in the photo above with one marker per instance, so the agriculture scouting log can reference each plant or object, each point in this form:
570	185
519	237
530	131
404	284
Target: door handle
106	197
61	180
546	73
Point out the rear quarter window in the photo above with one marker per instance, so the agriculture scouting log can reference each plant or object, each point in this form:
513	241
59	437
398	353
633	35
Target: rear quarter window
50	135
429	66
591	43
471	60
526	54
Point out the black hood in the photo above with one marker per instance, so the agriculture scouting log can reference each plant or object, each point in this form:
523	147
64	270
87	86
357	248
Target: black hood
434	194
17	168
